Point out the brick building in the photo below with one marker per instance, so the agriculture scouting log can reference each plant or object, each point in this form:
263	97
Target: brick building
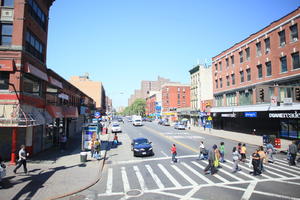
174	96
255	82
36	104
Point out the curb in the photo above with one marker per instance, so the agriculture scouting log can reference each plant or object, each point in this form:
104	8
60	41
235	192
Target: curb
88	185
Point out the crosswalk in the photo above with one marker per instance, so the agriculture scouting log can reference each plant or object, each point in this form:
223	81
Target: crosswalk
188	172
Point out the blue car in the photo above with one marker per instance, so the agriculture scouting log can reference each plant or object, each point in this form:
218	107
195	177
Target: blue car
142	147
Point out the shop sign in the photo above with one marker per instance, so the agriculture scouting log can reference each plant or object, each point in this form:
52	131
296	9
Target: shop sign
285	115
287	101
209	118
63	96
250	114
232	115
273	100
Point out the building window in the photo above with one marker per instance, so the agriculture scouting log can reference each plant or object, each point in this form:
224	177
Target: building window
281	38
178	89
231	99
6	34
219	100
7	3
232	60
232	79
37	13
227	62
294	33
241	57
4	80
216	81
242	76
227	80
31	85
267	45
34	46
216	67
248	54
248	74
283	64
269	68
245	97
221	83
295	60
258	49
259	71
220	66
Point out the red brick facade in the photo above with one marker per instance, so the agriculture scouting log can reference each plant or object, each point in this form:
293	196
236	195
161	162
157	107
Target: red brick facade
175	96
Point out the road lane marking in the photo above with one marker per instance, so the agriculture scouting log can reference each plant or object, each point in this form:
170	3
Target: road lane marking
191	181
140	178
155	177
166	155
282	162
173	140
197	173
247	194
215	175
170	177
109	181
125	180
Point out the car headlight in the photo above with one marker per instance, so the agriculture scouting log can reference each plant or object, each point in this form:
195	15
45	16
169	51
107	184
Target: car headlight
136	149
142	149
150	149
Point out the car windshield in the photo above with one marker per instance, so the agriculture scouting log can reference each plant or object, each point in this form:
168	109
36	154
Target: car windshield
115	125
137	120
141	141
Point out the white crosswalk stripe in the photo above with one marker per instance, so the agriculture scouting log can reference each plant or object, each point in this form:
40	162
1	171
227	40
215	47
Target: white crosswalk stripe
140	178
191	181
170	177
188	172
155	177
285	163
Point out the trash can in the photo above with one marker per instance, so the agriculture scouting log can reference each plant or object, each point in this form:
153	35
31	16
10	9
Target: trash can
266	139
83	157
277	143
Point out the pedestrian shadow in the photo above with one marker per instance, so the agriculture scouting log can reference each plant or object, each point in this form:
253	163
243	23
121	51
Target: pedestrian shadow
36	182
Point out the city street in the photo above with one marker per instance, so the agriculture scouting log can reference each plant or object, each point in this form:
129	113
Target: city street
155	177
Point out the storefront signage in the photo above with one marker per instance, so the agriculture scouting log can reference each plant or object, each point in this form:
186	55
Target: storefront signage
294	115
233	115
250	114
63	96
209	118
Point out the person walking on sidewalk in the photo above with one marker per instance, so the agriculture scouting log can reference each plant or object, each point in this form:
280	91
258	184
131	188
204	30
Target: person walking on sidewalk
243	153
293	149
22	160
236	159
222	152
115	140
202	149
210	168
270	152
174	153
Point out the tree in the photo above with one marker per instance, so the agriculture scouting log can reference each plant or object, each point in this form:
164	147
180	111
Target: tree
136	108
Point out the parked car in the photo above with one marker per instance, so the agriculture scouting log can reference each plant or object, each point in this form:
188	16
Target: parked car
137	122
141	147
160	122
166	123
179	126
116	128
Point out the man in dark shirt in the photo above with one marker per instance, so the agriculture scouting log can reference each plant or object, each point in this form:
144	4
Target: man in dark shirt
293	149
255	163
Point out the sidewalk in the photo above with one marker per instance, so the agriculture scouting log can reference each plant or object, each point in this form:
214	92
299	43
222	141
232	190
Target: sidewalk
52	174
240	137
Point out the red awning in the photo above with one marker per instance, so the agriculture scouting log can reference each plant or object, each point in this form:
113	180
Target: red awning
55	111
36	72
70	112
7	65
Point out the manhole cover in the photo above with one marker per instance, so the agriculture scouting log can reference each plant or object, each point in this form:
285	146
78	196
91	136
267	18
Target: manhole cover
134	193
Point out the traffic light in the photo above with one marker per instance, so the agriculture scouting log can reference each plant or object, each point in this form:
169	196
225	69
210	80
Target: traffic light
262	94
297	94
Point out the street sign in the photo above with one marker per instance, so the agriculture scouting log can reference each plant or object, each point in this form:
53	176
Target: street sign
209	118
97	114
273	100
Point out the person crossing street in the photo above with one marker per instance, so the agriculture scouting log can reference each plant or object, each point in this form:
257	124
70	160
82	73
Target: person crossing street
22	160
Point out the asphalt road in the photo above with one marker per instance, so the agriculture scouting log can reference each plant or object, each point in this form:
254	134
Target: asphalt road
155	177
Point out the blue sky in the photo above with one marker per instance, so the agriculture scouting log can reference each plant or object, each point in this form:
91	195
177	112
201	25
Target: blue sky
121	42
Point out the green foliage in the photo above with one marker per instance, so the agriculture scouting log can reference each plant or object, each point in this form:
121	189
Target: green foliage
137	108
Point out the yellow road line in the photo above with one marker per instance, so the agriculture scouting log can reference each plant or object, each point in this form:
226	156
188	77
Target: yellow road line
172	139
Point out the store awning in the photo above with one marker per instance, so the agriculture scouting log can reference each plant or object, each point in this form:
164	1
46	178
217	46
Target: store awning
36	72
55	82
70	112
7	65
55	111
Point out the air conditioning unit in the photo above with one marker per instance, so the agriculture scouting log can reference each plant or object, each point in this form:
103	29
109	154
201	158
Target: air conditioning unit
282	43
295	39
7	14
267	50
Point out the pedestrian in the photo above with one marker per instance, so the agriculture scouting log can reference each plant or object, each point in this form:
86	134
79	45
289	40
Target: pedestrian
63	142
262	156
270	152
218	156
92	145
222	152
210	168
174	153
115	140
243	153
22	159
236	158
202	149
239	147
2	170
293	149
96	149
255	163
